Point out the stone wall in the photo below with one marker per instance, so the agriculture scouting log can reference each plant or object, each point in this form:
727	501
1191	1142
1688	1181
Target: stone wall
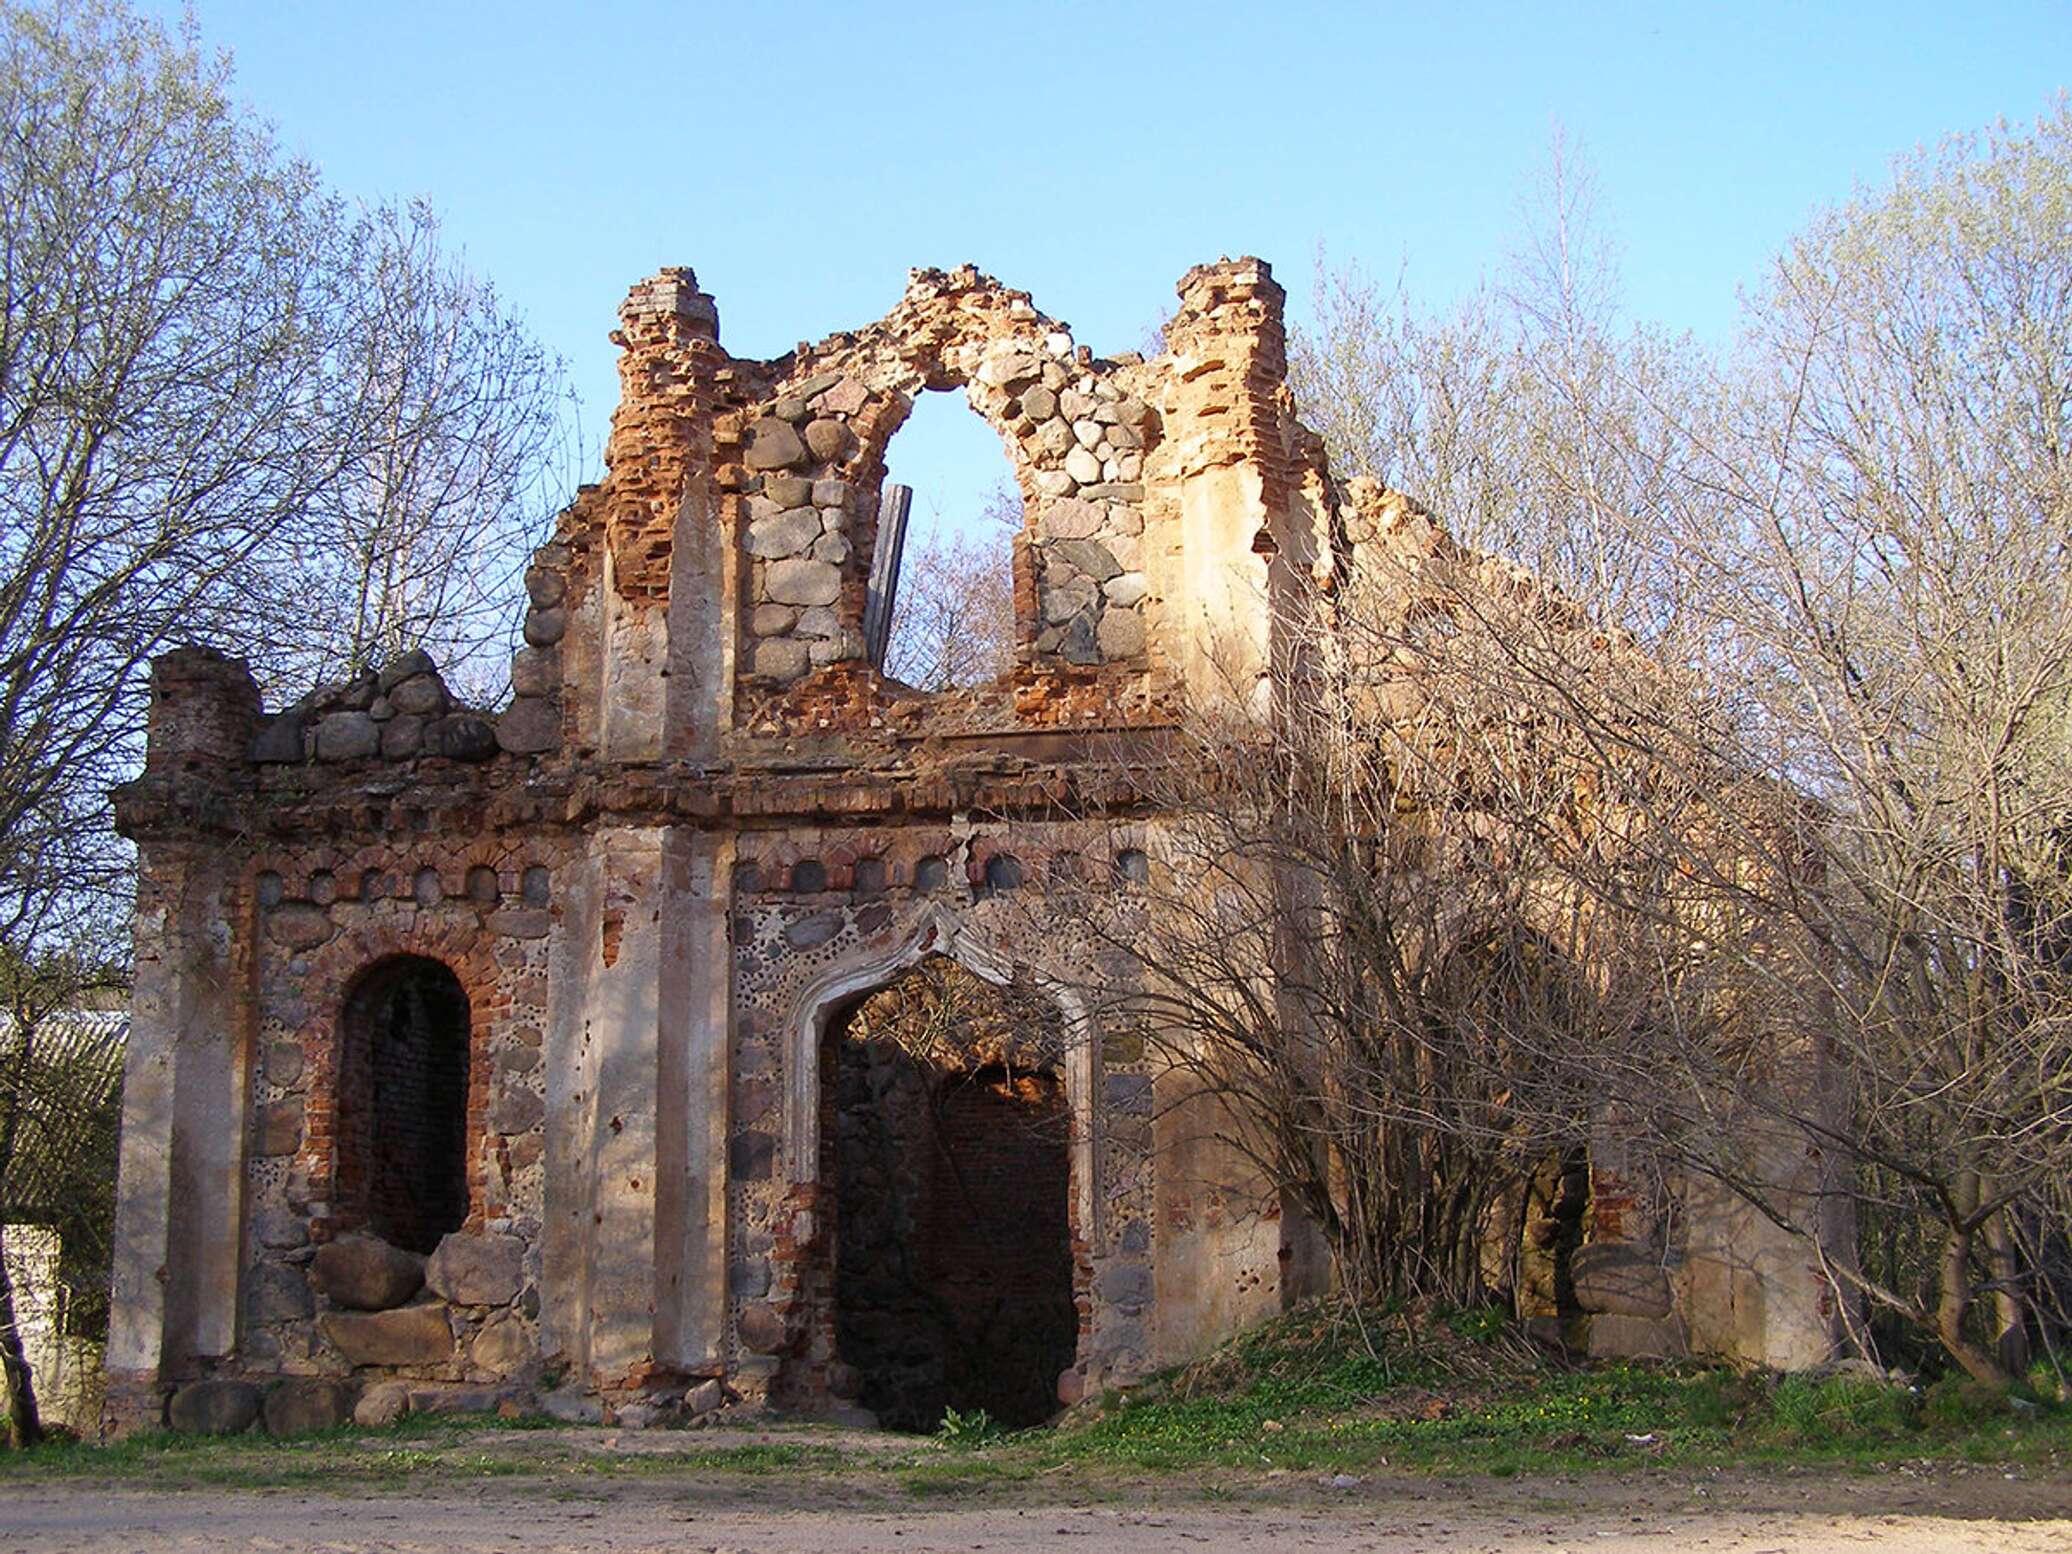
700	829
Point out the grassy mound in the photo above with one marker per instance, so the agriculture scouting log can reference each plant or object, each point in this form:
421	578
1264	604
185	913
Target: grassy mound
1330	1388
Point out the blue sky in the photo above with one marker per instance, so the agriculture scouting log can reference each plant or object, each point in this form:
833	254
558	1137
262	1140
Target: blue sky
802	156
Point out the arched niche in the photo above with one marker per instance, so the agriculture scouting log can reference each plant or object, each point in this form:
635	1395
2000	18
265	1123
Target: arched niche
403	1079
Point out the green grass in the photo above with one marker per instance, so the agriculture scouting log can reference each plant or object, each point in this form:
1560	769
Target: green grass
1321	1391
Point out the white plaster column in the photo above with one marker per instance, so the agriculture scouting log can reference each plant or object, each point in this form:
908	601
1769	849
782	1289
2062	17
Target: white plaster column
693	1071
180	1191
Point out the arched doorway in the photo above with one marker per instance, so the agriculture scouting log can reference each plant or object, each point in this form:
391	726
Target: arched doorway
403	1103
946	1138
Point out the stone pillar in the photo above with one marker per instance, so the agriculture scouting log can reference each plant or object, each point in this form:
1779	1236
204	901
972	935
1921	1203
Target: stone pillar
693	1070
633	1247
179	1204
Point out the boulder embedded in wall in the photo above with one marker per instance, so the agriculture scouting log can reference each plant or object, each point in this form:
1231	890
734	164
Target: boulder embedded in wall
422	695
1621	1279
280	1127
461	736
409	1335
477	1270
829	440
517	1109
1093	558
364	1273
501	1348
544	628
530	725
1072	519
406	666
284	1062
801	580
275	1292
214	1408
1121	633
382	1404
299	925
304	1404
401	738
781	658
784	533
545	587
347	736
772	444
762	1331
535	672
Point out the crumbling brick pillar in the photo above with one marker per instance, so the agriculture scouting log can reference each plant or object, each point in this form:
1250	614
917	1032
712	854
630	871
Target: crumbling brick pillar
1223	461
642	645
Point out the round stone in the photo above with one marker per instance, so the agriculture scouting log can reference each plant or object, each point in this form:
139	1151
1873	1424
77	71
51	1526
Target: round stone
535	672
1121	634
1126	589
530	725
544	628
785	533
830	440
545	586
421	695
347	736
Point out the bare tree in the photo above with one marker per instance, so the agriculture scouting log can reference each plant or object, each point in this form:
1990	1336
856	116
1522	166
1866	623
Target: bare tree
1878	550
953	618
1542	426
231	412
457	463
1781	880
1839	791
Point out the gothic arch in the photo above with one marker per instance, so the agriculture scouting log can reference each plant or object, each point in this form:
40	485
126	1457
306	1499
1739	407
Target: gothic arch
939	931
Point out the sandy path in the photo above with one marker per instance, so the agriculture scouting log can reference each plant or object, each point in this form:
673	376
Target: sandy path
1587	1517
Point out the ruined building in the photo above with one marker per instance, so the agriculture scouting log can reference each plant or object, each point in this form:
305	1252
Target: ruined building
529	1052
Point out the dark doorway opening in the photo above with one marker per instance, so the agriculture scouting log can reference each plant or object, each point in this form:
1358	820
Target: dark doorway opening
951	1164
403	1104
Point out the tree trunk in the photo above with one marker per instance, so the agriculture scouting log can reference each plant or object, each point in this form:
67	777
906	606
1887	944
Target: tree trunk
24	1424
2010	1332
1954	1304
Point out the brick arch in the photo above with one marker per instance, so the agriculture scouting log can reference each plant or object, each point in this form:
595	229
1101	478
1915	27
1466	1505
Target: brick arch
335	968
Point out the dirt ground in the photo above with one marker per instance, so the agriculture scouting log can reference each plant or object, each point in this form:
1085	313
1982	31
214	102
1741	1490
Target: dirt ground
1768	1513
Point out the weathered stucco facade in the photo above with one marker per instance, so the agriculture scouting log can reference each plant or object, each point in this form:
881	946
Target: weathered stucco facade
644	896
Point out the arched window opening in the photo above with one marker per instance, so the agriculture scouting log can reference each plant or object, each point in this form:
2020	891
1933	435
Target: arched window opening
1498	1002
948	580
403	1103
947	1141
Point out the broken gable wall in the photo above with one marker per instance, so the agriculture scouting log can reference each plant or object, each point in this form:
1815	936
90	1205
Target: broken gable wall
701	822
